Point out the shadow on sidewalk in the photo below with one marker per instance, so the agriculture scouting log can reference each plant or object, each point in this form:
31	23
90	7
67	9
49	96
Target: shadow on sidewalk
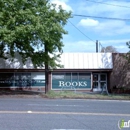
20	92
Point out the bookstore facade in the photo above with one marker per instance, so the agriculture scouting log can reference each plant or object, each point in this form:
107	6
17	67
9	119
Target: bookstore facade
80	72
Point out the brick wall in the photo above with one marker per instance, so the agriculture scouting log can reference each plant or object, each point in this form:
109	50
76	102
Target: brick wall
120	76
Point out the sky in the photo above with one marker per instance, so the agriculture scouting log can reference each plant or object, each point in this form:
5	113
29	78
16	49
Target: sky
84	31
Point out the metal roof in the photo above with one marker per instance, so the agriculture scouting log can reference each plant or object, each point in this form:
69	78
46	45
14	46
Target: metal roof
68	60
87	60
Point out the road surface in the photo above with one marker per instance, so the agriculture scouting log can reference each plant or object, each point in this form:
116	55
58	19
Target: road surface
62	114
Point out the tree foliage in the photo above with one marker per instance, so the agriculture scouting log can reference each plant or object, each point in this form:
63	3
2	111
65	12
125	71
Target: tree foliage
128	44
109	49
31	26
128	54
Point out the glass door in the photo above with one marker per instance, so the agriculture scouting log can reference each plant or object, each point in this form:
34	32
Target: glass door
95	81
103	81
99	81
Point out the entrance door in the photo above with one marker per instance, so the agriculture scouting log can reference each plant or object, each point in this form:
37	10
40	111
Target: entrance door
99	81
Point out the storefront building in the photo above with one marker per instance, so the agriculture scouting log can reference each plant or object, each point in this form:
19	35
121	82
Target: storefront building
80	72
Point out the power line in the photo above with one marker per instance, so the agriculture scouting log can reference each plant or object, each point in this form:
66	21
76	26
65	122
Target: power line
82	32
108	4
98	17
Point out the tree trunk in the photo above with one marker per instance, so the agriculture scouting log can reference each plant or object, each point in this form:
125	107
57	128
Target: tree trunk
46	78
46	70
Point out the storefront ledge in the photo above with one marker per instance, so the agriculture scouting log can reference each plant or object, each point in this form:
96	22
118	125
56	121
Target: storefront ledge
97	90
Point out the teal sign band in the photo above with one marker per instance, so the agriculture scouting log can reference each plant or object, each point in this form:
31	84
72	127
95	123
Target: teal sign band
61	81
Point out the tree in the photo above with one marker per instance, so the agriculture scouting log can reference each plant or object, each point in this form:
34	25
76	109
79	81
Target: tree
128	44
109	49
128	54
34	28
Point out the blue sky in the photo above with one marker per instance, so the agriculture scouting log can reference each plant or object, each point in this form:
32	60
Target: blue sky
108	32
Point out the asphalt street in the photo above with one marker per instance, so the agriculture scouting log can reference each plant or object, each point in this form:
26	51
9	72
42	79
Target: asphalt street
62	114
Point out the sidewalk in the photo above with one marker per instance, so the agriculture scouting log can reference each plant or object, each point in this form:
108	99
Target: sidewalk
64	95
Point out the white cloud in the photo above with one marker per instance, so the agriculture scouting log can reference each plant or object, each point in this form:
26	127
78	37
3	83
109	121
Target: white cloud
109	27
63	4
88	22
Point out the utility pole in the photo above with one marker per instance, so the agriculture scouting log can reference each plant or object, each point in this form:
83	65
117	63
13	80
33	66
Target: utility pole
97	46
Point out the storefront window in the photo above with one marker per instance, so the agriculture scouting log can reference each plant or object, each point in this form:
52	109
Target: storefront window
84	76
103	77
103	84
6	79
95	77
95	84
73	80
22	80
68	77
58	76
99	81
74	76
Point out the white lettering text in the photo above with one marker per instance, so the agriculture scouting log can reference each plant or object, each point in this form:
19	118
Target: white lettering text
68	84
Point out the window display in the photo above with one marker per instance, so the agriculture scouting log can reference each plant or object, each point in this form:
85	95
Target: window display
22	80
